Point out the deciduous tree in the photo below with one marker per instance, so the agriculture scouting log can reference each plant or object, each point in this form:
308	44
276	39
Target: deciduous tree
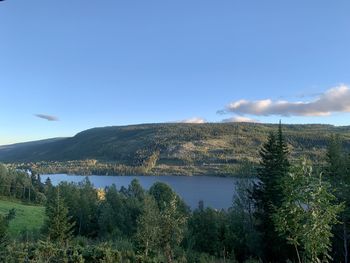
307	214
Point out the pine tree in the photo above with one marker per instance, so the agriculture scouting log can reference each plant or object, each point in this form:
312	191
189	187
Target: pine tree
337	172
267	193
282	155
58	225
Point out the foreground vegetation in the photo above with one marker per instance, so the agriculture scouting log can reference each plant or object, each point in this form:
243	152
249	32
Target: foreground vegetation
292	213
223	149
29	218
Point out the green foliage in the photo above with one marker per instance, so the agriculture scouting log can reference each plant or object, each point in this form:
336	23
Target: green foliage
267	194
45	251
164	195
84	224
82	203
28	219
120	211
57	225
337	173
112	209
4	238
172	227
20	185
307	214
205	224
148	228
226	234
242	233
3	235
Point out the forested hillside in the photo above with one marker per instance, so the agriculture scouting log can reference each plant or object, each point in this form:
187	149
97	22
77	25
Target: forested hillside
212	148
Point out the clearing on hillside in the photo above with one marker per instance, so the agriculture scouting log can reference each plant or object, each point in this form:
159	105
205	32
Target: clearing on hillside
28	217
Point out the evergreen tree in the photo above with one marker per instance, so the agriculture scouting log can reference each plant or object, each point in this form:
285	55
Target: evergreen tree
267	193
282	154
47	186
338	174
58	225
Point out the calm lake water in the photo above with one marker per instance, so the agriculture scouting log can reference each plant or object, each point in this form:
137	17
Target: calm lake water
216	192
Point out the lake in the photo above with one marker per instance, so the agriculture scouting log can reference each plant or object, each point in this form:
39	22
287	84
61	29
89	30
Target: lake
216	192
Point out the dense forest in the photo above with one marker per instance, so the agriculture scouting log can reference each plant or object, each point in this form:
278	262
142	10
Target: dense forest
224	149
292	213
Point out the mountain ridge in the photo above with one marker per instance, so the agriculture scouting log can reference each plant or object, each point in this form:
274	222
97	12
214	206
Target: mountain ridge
176	145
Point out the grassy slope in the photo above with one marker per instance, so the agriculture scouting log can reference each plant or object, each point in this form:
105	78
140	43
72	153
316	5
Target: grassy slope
27	216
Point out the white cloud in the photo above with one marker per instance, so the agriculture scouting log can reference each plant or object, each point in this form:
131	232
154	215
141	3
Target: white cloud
333	100
240	119
194	120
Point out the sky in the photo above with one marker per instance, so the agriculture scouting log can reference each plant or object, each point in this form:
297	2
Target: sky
66	66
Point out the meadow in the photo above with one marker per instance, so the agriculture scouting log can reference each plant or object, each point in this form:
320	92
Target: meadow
28	217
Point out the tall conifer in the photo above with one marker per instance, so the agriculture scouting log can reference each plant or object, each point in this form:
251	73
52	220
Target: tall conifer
337	172
267	193
58	225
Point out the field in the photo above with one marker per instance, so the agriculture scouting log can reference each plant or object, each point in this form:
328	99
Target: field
28	217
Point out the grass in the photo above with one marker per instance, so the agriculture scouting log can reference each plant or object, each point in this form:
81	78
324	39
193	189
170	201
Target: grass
28	217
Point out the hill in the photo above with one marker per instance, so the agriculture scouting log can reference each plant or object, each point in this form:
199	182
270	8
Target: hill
211	148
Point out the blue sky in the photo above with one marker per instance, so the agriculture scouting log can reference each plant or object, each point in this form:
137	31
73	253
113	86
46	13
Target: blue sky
98	63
